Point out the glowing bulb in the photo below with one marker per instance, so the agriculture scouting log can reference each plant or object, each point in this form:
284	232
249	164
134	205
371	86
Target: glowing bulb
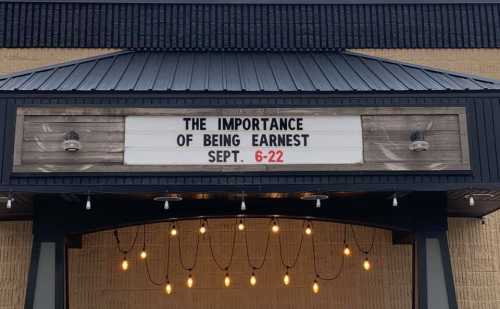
241	225
173	231
190	281
166	206
243	205
275	227
318	203
203	229
347	250
315	287
168	288
286	279
472	202
227	280
394	201
253	279
88	204
308	229
366	265
125	264
9	203
144	254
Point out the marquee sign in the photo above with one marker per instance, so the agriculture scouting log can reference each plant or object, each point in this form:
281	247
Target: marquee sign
98	139
243	140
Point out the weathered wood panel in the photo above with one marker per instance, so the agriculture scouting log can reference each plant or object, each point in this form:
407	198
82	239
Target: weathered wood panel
386	139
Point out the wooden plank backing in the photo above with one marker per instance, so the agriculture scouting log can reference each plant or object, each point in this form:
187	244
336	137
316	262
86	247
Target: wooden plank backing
386	139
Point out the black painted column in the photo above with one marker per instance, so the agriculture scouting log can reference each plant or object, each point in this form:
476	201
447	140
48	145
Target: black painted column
433	276
46	287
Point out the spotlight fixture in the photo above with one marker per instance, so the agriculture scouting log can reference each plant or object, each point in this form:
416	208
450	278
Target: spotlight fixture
243	205
167	199
8	201
395	200
314	197
471	197
418	142
71	142
88	204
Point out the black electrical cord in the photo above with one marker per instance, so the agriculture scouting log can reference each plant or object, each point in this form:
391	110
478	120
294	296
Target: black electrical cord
230	262
341	266
296	259
148	272
117	237
195	259
265	252
365	252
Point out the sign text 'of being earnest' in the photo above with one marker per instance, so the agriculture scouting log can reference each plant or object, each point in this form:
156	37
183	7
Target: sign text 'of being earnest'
249	140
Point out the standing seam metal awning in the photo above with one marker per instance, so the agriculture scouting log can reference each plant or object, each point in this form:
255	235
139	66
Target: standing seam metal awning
241	72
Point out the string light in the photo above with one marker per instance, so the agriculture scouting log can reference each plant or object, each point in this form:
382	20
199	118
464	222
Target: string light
241	225
472	202
227	280
366	264
308	229
275	228
144	254
203	228
318	203
125	264
88	204
166	205
347	250
286	278
190	281
173	231
168	288
395	200
315	286
253	279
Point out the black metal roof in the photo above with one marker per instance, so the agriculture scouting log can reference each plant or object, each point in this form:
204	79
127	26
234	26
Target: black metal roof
240	72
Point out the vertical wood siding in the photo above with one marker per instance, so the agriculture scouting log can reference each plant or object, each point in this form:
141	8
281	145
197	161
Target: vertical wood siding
247	26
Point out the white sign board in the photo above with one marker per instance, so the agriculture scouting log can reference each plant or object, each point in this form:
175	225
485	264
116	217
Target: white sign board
243	140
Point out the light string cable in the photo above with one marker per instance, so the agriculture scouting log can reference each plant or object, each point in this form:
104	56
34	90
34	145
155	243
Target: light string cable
356	242
297	255
230	261
342	260
148	272
195	258
118	243
261	264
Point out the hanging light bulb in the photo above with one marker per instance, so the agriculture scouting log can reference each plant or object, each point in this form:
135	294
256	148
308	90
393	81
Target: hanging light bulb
275	228
241	225
308	229
366	264
143	254
125	264
88	204
395	200
286	278
203	228
227	280
347	250
318	203
472	202
315	286
190	281
253	279
173	231
166	205
168	288
243	205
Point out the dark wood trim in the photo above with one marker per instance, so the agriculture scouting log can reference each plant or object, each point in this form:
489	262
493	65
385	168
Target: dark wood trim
33	272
